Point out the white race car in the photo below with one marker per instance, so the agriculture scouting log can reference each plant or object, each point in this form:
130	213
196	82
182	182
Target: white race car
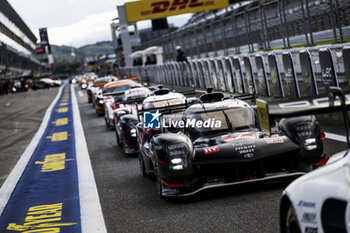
319	202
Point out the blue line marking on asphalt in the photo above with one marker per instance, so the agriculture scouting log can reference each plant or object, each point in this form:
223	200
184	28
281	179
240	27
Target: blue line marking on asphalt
48	199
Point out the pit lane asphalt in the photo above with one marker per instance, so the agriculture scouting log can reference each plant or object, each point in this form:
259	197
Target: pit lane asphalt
20	117
130	202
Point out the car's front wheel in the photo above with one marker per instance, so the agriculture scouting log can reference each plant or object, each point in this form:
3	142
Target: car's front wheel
292	224
106	121
118	139
158	184
142	165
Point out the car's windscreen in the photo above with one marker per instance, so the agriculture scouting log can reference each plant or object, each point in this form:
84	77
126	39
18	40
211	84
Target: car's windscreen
204	123
115	89
164	103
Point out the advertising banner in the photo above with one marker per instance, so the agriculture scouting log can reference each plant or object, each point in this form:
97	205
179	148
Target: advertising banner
153	9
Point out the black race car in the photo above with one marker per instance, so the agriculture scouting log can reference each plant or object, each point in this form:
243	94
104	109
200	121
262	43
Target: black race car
125	118
220	143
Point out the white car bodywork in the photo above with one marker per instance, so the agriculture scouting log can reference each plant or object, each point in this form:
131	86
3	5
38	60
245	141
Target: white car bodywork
308	194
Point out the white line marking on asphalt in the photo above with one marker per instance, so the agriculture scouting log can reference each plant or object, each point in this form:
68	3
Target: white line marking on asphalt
80	93
10	183
91	215
336	137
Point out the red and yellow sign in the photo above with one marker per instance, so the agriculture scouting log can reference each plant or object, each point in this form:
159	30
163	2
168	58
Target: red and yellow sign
152	9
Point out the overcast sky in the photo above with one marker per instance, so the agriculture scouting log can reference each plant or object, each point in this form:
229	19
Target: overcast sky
76	22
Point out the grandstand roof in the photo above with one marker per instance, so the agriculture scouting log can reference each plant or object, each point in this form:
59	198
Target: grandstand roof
9	12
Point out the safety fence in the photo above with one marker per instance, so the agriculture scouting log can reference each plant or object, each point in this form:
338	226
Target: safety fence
286	73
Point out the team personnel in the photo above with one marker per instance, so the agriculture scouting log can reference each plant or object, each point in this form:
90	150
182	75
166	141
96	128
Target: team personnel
180	54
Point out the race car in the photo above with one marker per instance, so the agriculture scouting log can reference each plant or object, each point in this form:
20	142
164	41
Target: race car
127	105
124	118
318	202
96	87
219	142
111	92
162	98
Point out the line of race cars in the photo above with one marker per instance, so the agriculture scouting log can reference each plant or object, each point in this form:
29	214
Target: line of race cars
189	143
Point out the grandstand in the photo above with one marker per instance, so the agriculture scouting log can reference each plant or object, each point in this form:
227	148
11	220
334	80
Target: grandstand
17	45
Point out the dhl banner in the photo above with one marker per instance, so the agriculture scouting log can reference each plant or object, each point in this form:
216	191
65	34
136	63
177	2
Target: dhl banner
152	9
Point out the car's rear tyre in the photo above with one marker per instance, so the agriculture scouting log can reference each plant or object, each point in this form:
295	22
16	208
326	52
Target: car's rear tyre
292	224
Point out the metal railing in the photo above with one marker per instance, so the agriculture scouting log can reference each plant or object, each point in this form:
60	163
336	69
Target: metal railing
287	73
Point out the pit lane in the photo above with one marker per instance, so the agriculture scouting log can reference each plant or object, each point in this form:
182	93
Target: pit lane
129	201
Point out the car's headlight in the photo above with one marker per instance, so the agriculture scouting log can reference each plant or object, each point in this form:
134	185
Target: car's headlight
178	167
176	161
177	154
133	132
310	144
304	131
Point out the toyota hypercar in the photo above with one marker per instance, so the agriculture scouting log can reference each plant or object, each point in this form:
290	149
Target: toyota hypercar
124	118
219	142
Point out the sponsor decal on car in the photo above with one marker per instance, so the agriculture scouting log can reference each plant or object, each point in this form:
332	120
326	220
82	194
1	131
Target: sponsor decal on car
309	217
307	204
274	140
237	136
211	149
311	230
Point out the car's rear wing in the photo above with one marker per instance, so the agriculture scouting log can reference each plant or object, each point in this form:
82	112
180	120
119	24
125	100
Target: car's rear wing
133	101
164	110
113	93
335	101
190	93
130	78
245	97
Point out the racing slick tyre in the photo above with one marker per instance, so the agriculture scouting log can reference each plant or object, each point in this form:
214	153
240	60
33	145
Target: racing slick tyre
107	124
159	188
142	165
158	184
118	139
122	141
292	224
